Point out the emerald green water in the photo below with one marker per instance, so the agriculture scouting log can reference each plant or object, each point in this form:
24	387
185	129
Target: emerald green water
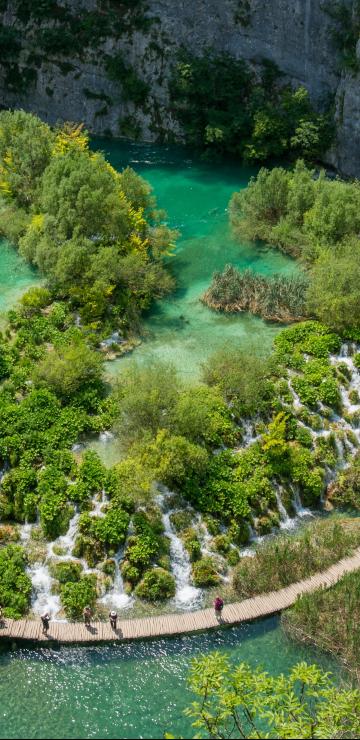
196	196
15	277
128	691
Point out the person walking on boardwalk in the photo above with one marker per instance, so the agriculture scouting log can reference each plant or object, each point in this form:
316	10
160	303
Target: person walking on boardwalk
87	615
45	618
218	606
113	619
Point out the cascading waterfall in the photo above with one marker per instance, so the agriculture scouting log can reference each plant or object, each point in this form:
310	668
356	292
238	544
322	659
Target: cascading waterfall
285	520
116	598
65	543
296	400
187	597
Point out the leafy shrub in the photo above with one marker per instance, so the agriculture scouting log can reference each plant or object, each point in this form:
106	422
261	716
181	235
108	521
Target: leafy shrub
156	585
67	571
181	520
15	584
204	573
75	596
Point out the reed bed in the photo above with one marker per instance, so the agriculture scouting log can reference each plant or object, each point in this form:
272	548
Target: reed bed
279	298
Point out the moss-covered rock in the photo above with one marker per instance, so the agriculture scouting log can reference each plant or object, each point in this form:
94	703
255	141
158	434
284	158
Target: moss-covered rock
156	585
181	520
68	571
204	573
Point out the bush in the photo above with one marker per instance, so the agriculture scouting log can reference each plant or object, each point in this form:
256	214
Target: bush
66	572
15	584
181	520
157	585
278	298
75	596
204	573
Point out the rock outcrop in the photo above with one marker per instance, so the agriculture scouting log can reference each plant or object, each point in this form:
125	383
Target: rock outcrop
298	35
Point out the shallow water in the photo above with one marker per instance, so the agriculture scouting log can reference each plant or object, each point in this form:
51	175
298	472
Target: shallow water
125	691
15	277
196	195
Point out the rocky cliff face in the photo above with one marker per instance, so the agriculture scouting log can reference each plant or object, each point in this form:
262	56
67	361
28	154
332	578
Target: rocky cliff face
298	35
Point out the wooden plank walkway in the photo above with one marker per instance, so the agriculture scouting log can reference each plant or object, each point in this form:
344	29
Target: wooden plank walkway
177	624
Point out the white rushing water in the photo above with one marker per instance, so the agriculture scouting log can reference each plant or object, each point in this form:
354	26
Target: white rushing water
187	597
116	598
285	520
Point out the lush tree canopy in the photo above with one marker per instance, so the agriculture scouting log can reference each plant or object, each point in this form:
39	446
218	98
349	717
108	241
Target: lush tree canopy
238	701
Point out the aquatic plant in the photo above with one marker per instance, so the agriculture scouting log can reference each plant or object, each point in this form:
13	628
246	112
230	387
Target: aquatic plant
279	298
287	559
330	619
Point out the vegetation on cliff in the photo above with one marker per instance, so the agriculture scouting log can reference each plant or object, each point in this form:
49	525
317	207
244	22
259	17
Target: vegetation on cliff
225	107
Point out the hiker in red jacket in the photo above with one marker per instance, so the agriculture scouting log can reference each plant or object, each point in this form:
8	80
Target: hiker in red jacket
218	606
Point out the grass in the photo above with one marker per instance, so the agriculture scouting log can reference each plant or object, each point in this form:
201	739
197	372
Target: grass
330	619
288	559
278	298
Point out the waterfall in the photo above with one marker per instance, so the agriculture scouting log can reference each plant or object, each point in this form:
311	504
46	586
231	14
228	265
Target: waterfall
285	521
187	597
106	436
296	400
98	504
42	597
116	598
66	542
299	508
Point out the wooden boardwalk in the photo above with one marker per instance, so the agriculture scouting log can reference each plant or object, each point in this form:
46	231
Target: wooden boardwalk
177	624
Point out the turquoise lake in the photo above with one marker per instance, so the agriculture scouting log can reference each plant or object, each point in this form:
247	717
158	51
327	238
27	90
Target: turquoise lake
129	691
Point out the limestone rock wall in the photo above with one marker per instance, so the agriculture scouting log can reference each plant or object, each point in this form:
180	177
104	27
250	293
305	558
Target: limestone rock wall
296	34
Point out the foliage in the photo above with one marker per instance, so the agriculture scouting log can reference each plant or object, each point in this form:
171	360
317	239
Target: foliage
277	563
345	492
146	397
278	298
316	219
334	295
66	370
15	584
203	417
76	595
25	152
68	571
251	703
156	585
176	462
225	107
133	87
242	377
75	222
204	573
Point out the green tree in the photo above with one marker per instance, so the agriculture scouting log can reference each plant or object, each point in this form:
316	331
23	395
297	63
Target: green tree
68	369
25	151
146	397
243	377
334	294
237	701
